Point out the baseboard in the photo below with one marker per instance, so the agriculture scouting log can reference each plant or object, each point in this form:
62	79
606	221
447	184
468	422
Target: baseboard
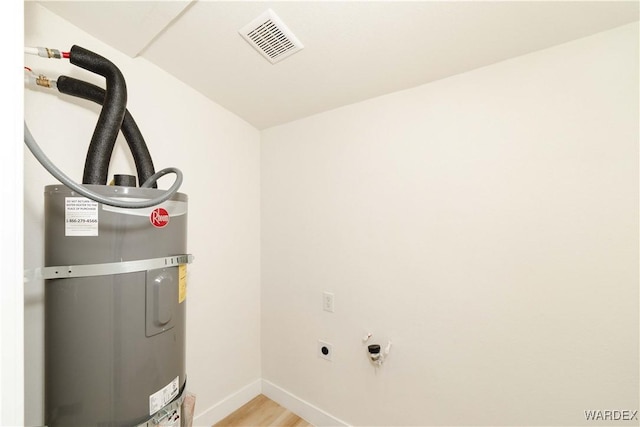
303	409
227	405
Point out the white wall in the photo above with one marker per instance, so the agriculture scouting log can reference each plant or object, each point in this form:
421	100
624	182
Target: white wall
219	155
11	291
486	223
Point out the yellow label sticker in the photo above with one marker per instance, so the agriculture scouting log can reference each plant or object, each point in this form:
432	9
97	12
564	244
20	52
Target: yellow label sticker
182	283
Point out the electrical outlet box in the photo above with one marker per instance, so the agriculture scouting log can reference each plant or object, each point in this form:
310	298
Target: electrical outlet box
328	302
325	350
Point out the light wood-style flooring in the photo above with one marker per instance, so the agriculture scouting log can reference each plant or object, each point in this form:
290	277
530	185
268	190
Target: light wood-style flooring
262	412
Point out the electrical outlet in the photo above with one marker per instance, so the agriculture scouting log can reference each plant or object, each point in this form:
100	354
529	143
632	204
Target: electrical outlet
327	302
325	350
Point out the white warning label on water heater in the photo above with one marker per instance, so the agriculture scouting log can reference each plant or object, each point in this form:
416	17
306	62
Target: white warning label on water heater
161	398
80	217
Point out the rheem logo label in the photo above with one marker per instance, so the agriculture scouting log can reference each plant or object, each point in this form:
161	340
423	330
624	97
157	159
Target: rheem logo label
159	217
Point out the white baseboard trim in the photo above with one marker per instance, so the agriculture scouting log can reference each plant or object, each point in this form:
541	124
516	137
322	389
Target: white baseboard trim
227	405
303	409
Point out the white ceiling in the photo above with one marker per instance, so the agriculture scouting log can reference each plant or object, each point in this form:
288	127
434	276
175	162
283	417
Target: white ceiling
354	50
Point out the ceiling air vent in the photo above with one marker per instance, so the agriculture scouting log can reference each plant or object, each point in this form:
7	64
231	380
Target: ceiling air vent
269	36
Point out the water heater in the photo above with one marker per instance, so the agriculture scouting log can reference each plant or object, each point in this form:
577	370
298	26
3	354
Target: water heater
114	308
115	275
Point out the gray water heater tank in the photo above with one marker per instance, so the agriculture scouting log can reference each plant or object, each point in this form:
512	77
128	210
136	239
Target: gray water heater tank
115	306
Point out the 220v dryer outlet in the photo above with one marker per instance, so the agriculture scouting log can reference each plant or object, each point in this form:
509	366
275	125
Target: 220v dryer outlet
325	350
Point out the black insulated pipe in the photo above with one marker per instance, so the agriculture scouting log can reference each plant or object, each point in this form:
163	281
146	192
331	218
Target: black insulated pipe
130	130
96	166
124	180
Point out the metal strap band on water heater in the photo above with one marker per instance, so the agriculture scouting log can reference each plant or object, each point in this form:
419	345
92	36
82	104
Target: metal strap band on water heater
65	272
